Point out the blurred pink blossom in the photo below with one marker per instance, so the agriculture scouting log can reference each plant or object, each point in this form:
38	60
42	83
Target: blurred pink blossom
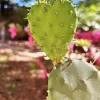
39	63
89	54
78	31
44	74
71	46
30	37
26	29
93	36
13	30
83	35
96	36
98	61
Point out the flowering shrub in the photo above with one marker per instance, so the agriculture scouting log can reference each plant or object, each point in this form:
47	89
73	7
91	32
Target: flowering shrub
88	14
92	36
16	28
85	46
13	30
30	37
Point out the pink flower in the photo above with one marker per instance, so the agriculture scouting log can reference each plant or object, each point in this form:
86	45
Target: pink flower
39	63
83	35
44	74
98	61
78	30
30	37
26	29
89	54
71	46
13	30
96	36
77	36
93	36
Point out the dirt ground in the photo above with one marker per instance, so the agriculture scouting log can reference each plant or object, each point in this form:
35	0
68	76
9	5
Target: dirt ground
20	76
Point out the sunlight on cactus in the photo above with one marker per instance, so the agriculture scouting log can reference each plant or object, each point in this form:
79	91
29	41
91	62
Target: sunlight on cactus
53	27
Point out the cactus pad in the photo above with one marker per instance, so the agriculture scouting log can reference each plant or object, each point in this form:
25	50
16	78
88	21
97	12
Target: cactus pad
53	27
76	80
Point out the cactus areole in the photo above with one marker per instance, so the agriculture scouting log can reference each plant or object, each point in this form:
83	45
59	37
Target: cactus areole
53	26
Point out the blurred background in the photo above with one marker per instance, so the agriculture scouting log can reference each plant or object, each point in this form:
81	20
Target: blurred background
24	67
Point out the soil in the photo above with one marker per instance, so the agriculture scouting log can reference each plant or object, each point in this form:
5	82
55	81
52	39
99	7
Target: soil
20	76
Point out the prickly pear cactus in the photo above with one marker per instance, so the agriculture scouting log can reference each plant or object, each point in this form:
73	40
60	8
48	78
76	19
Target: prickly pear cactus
76	80
53	27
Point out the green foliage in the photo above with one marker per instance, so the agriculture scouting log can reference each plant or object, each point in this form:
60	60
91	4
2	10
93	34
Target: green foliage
33	67
53	27
89	15
89	2
20	14
11	87
20	28
76	80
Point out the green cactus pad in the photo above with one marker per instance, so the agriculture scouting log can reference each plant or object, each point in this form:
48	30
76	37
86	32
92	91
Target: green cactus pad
53	27
76	80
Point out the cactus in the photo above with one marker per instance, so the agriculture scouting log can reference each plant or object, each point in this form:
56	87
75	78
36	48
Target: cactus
74	80
53	27
53	24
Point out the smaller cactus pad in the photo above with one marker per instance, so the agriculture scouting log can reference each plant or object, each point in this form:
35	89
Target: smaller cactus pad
76	80
53	27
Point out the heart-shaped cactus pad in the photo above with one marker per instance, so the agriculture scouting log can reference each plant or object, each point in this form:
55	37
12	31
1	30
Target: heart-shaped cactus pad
53	27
